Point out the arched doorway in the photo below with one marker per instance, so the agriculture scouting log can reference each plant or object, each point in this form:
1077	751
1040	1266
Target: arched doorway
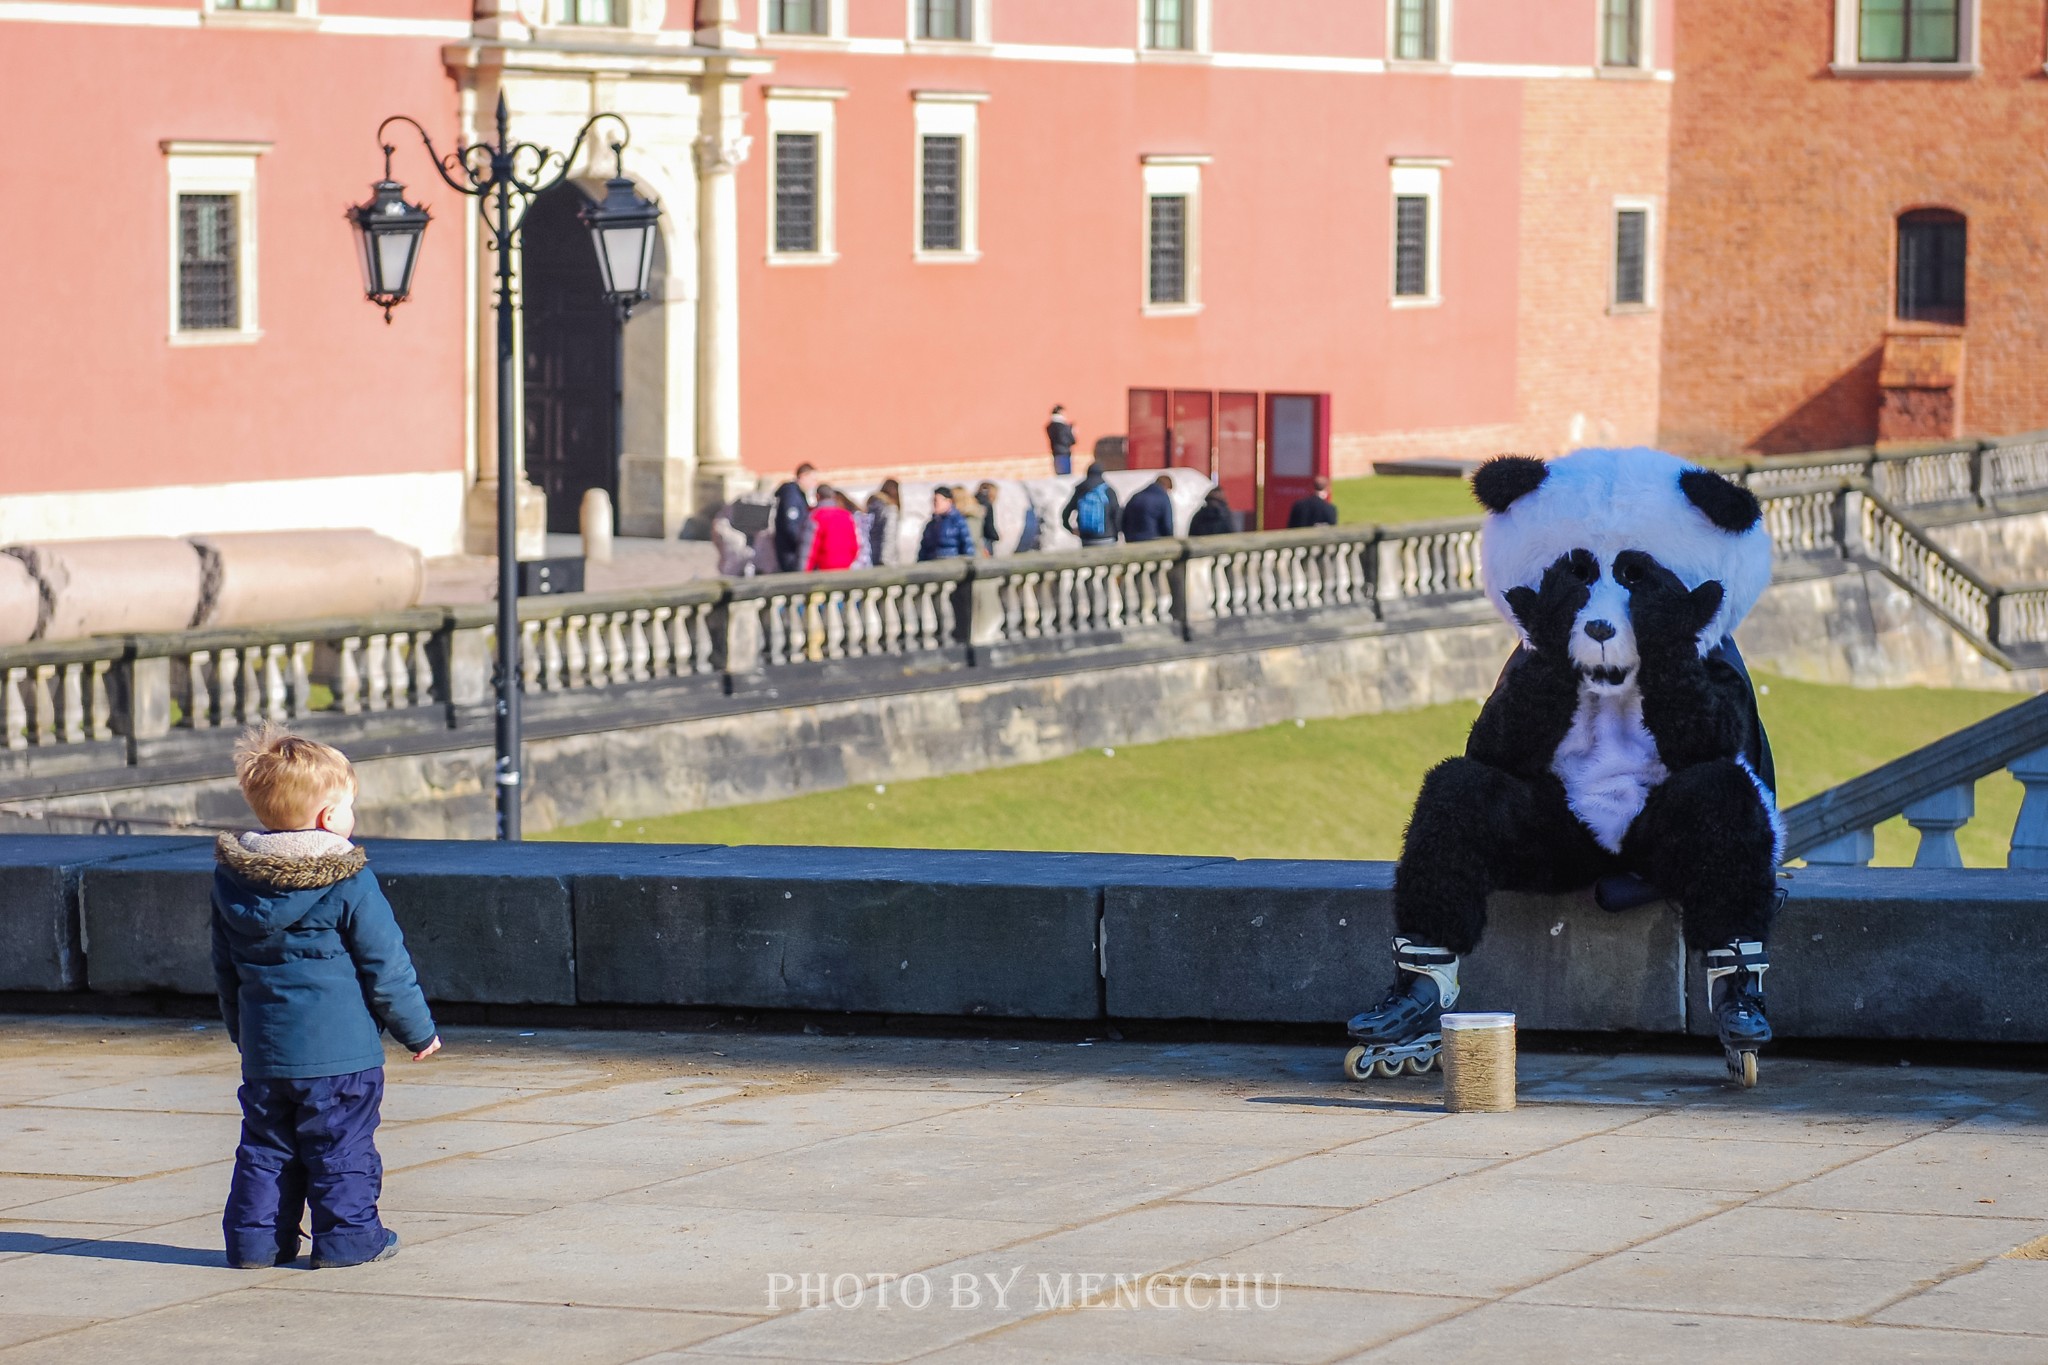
572	372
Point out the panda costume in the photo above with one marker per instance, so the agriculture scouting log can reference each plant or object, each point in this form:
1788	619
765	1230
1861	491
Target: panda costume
1621	747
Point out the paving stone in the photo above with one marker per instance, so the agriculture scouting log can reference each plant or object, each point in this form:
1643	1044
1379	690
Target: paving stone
2002	1295
1346	1178
1971	1174
40	1141
18	1191
1690	1163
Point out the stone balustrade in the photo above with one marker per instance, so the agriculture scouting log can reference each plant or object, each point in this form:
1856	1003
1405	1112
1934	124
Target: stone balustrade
1957	474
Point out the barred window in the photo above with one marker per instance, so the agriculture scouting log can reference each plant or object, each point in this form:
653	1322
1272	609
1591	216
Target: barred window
943	166
1621	32
1909	31
1411	246
1170	24
796	191
598	13
1631	256
1933	246
946	19
799	16
1415	25
208	263
1169	264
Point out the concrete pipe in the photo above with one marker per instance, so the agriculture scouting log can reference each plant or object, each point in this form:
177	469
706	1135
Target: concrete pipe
263	577
109	587
21	603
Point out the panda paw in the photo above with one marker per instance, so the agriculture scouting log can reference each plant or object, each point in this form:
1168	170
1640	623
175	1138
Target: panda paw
1667	616
1549	612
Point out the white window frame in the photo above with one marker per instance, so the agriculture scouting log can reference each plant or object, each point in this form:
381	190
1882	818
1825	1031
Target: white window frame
795	109
216	168
1848	62
948	113
1199	52
834	35
1174	175
1409	178
979	16
1648	207
1646	56
1443	39
295	14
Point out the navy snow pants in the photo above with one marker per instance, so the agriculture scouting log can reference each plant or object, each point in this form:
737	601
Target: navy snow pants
307	1141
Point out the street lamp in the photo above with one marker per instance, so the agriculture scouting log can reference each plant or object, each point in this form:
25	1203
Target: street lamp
389	233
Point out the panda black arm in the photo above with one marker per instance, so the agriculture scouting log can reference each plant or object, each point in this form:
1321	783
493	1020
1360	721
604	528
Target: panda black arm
1696	710
1529	714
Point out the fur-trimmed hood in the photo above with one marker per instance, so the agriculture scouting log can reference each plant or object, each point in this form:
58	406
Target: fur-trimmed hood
270	881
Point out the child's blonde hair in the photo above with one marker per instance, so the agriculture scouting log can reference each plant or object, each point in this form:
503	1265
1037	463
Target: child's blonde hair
286	779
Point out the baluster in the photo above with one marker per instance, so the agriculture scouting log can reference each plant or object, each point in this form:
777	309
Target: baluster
422	668
1854	849
2030	831
72	707
45	704
398	668
892	618
302	677
376	674
273	683
619	664
574	657
700	652
854	615
349	676
664	659
1938	817
830	636
599	660
777	632
227	671
14	712
550	677
871	621
927	616
638	653
100	713
1027	624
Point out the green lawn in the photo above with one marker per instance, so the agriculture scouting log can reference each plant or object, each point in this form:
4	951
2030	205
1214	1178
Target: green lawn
1324	789
1390	499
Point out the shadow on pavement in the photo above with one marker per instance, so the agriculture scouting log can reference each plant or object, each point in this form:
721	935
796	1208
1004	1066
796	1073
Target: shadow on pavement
155	1253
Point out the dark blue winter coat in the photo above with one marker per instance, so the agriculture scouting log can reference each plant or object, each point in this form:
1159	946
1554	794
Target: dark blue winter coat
1148	515
947	536
309	963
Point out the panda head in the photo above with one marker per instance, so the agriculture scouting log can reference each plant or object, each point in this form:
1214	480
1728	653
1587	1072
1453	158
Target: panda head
1695	523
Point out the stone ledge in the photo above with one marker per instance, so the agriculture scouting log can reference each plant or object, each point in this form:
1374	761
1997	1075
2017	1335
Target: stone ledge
1859	953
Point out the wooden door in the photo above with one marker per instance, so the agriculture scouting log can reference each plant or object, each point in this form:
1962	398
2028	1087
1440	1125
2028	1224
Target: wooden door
1194	431
1237	454
1297	450
572	341
1146	436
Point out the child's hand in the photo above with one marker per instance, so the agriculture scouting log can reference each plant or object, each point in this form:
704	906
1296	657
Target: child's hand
429	1050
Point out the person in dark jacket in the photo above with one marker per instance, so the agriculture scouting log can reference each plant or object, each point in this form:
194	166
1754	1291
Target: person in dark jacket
1315	509
1150	513
1059	434
793	517
985	498
1213	517
947	535
310	965
1093	513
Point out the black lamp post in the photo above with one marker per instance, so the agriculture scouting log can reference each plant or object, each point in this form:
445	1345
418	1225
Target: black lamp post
389	232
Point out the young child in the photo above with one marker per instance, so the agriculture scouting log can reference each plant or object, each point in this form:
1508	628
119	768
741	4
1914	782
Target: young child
310	963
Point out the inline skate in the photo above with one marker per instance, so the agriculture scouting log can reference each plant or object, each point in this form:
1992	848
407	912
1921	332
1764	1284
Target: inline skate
1401	1032
1735	993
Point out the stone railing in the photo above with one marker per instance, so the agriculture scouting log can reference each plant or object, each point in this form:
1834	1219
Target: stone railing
591	660
1958	475
1935	789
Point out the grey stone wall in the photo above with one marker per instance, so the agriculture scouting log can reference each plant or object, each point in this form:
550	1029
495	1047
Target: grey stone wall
2006	550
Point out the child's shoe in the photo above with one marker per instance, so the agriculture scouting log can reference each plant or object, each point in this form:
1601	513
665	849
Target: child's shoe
390	1249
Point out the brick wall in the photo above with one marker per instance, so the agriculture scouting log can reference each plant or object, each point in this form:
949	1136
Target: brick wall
1785	184
1587	373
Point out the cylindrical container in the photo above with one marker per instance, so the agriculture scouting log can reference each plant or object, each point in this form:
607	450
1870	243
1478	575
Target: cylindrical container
109	587
262	577
1479	1063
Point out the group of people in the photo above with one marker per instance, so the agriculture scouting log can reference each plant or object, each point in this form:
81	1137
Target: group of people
818	528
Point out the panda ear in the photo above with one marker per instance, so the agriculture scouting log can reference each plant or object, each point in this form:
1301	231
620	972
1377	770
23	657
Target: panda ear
1504	478
1729	506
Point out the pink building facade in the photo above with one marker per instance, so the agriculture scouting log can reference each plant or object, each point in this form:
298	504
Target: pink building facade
895	233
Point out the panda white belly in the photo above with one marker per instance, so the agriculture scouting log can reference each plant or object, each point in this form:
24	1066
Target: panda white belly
1608	762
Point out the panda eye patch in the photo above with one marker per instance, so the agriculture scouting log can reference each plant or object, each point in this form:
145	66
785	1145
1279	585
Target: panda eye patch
1583	566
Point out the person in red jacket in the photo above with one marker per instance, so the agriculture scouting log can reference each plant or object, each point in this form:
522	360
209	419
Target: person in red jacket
834	540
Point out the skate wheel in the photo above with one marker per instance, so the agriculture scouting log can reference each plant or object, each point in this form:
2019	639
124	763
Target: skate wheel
1388	1069
1745	1070
1352	1067
1415	1066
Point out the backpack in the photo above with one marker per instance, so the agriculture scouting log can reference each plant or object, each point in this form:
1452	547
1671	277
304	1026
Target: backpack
1091	513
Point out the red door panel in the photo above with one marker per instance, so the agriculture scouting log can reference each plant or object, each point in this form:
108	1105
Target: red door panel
1237	454
1297	450
1146	436
1193	431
